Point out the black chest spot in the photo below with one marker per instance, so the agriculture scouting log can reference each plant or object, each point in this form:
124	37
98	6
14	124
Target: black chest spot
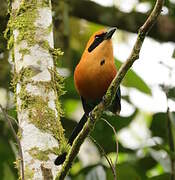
102	62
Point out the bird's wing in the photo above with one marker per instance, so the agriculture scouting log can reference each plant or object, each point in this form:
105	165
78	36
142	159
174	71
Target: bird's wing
116	105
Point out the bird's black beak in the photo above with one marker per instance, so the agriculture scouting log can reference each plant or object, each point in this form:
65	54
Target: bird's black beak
109	33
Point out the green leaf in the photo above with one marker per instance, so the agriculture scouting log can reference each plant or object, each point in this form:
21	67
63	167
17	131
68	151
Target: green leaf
8	174
7	156
6	160
124	171
172	118
159	126
133	80
103	132
171	93
165	176
71	91
70	106
144	164
162	158
68	125
161	147
85	171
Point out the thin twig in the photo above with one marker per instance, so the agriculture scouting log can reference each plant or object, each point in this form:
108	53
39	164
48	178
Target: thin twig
16	122
171	150
171	143
108	98
16	137
116	140
108	159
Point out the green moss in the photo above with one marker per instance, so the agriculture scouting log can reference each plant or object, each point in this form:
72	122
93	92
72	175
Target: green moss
57	82
43	155
38	154
28	173
46	3
44	44
13	55
40	114
26	73
50	28
17	166
23	20
44	117
10	42
24	52
55	52
24	97
39	62
19	134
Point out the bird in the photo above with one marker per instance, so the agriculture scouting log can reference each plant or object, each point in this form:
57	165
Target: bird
92	77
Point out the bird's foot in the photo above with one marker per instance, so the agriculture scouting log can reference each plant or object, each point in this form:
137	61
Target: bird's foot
91	116
103	100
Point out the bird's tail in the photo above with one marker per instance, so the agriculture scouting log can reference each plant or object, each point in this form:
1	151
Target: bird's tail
77	129
61	158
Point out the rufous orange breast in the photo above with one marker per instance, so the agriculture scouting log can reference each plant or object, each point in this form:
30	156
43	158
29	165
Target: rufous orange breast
95	72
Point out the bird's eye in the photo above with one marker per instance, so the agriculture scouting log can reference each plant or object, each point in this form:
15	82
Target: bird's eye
100	36
97	37
97	40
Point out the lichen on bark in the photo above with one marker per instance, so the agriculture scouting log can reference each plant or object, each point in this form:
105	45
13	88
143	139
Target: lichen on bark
37	85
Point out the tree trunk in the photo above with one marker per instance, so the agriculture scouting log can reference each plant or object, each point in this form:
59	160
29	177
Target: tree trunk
37	87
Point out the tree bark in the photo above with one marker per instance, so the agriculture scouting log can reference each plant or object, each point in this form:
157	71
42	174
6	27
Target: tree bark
38	87
163	29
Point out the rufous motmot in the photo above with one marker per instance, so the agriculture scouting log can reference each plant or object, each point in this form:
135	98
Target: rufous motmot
92	77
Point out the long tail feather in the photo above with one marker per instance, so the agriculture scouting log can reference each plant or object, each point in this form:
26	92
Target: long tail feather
77	129
61	158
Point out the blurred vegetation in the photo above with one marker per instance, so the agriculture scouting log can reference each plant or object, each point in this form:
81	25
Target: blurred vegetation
74	21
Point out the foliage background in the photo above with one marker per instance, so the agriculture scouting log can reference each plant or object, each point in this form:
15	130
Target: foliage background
144	150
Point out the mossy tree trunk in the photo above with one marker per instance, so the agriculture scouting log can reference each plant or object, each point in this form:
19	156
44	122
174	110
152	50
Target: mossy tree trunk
37	85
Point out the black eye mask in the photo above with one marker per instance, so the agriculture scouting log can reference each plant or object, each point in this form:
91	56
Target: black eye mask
98	39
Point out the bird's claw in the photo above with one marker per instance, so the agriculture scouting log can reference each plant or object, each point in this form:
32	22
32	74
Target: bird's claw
90	116
103	100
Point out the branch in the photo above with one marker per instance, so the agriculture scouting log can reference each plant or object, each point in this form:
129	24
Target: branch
108	98
171	150
107	159
111	16
116	140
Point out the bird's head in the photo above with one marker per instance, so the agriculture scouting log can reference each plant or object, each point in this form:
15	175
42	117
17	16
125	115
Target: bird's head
96	68
100	45
99	38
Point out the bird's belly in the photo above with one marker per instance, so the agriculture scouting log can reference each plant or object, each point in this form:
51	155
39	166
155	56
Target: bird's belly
94	84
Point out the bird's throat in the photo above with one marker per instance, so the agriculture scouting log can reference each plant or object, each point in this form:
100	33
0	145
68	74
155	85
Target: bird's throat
93	82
